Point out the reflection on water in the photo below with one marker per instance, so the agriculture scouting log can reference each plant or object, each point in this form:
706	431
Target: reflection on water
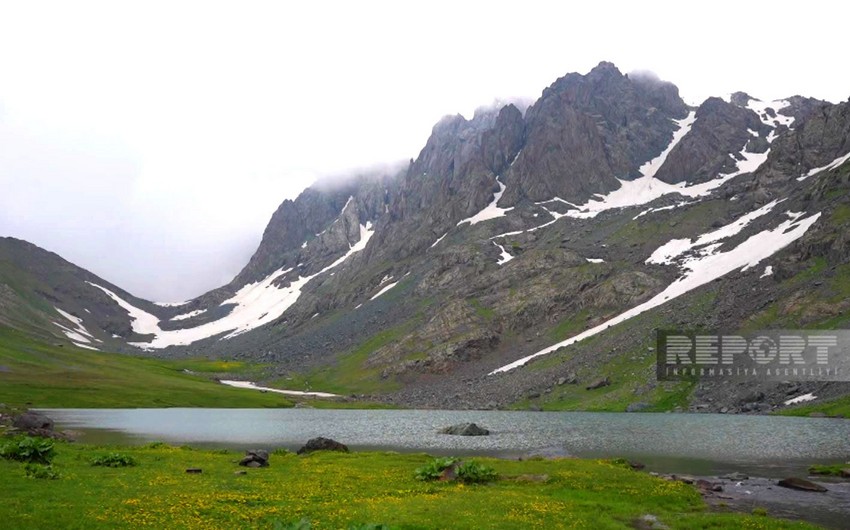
685	443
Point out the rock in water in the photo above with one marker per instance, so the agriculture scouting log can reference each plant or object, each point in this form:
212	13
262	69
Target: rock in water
801	484
322	444
465	429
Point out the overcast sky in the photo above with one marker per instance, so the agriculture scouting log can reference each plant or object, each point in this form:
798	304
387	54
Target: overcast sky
150	142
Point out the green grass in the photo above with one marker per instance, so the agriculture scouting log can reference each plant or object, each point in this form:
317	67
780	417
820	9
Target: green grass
45	375
824	469
569	326
336	490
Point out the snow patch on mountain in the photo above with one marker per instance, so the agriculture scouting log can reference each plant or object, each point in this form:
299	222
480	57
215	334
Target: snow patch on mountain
491	211
698	270
505	256
800	399
384	290
435	243
79	333
666	254
253	386
760	108
255	305
189	315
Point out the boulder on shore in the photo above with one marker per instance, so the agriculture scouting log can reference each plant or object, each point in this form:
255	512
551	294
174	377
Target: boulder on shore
33	421
255	458
322	444
465	429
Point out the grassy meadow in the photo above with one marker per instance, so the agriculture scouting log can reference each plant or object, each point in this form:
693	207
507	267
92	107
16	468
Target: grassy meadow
337	490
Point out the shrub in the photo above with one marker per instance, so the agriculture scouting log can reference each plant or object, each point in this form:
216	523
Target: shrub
113	460
40	471
434	469
35	450
470	472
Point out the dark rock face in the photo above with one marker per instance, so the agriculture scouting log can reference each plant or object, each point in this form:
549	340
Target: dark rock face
465	429
255	458
720	129
801	484
587	131
33	421
322	444
815	142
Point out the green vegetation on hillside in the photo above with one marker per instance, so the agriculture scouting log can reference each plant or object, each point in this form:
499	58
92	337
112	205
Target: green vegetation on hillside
342	490
46	375
351	373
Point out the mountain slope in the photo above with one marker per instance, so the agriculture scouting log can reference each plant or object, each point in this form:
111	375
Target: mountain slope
607	209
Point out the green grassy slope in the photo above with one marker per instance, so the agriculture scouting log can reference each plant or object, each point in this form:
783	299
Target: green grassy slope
44	375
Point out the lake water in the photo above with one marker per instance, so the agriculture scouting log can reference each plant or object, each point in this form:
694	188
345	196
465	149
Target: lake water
702	444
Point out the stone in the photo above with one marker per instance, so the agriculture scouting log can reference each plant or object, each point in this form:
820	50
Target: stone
261	455
465	429
322	444
845	473
599	383
636	465
255	458
801	484
240	472
30	421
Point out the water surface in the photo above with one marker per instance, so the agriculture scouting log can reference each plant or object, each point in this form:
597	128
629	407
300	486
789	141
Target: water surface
684	443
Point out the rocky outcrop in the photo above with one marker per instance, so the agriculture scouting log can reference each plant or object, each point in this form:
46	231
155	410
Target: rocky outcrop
587	131
322	444
465	429
720	133
816	142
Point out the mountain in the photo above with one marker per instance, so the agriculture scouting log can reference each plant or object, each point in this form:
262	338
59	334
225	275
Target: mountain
605	210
